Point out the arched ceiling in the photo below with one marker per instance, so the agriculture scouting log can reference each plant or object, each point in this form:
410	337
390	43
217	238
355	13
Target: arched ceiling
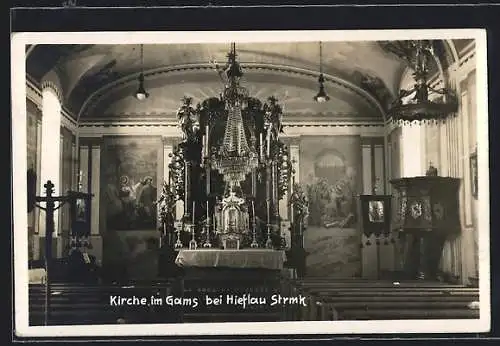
87	72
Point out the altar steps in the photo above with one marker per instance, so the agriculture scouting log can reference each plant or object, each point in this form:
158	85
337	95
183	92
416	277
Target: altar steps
379	300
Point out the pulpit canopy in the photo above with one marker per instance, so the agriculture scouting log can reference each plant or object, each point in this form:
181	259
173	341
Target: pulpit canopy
427	203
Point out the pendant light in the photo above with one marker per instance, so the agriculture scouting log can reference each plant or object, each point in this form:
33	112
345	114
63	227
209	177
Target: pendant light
141	93
321	97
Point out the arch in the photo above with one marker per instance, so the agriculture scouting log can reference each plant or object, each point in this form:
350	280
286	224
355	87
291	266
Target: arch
52	81
101	93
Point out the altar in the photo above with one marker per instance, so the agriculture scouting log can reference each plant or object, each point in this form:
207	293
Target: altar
243	259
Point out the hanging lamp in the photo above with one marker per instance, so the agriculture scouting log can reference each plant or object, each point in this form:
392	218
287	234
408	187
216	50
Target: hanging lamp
141	93
321	96
418	104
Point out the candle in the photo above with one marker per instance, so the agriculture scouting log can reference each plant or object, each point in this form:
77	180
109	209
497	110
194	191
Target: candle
261	142
268	213
206	139
253	212
193	211
269	143
207	210
204	147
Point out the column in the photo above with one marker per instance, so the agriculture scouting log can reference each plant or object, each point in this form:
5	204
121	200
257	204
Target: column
412	148
366	153
50	161
95	188
90	173
295	158
37	211
50	150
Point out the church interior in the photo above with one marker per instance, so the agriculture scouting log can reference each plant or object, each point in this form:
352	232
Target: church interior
341	172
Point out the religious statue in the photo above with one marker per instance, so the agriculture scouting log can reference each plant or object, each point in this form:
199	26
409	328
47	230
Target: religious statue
188	119
272	117
166	203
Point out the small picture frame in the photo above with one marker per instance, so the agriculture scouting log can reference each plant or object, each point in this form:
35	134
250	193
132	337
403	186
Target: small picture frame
473	174
376	213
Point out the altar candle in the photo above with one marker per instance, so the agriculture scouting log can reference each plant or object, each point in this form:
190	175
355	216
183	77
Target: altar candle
207	211
206	139
253	212
268	143
204	146
194	203
261	142
268	213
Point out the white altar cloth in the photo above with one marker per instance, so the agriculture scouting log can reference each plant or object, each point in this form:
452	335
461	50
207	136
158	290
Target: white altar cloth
245	258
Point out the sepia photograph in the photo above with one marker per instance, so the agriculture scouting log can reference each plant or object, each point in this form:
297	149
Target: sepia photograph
242	183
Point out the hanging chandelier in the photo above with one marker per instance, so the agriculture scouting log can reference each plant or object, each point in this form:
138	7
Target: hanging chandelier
235	158
321	96
415	105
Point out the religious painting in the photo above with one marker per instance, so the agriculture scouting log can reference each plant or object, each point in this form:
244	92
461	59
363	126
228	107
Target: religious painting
376	211
331	192
329	173
129	174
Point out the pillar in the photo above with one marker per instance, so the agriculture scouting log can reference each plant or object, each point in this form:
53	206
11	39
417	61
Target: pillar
50	161
90	175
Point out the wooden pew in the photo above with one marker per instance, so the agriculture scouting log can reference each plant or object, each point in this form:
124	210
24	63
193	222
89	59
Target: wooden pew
364	300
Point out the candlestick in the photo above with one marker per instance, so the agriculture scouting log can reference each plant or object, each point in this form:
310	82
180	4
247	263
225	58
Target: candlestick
254	243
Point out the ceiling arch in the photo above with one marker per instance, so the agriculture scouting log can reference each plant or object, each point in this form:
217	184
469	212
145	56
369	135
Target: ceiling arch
293	87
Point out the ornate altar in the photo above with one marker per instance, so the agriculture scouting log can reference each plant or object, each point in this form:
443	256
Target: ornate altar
427	213
229	171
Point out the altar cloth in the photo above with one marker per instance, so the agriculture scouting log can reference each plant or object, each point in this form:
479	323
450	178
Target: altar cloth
245	258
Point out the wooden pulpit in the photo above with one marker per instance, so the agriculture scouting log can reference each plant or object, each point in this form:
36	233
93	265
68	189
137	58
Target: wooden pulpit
427	212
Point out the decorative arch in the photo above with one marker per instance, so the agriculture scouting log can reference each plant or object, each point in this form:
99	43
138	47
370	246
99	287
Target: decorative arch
52	81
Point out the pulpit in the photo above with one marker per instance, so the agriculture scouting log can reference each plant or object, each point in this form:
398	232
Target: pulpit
427	213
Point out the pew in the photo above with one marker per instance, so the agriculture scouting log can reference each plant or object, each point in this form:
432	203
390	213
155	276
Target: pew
80	304
379	300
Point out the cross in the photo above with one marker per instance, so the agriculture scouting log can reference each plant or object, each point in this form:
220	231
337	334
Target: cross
49	186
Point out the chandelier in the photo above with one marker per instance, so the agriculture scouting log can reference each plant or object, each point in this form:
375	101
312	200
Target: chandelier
235	158
415	104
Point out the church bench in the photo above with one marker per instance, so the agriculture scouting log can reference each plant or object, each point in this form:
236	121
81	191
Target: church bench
365	299
90	304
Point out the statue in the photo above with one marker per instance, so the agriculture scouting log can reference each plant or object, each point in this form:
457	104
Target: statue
272	117
189	121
